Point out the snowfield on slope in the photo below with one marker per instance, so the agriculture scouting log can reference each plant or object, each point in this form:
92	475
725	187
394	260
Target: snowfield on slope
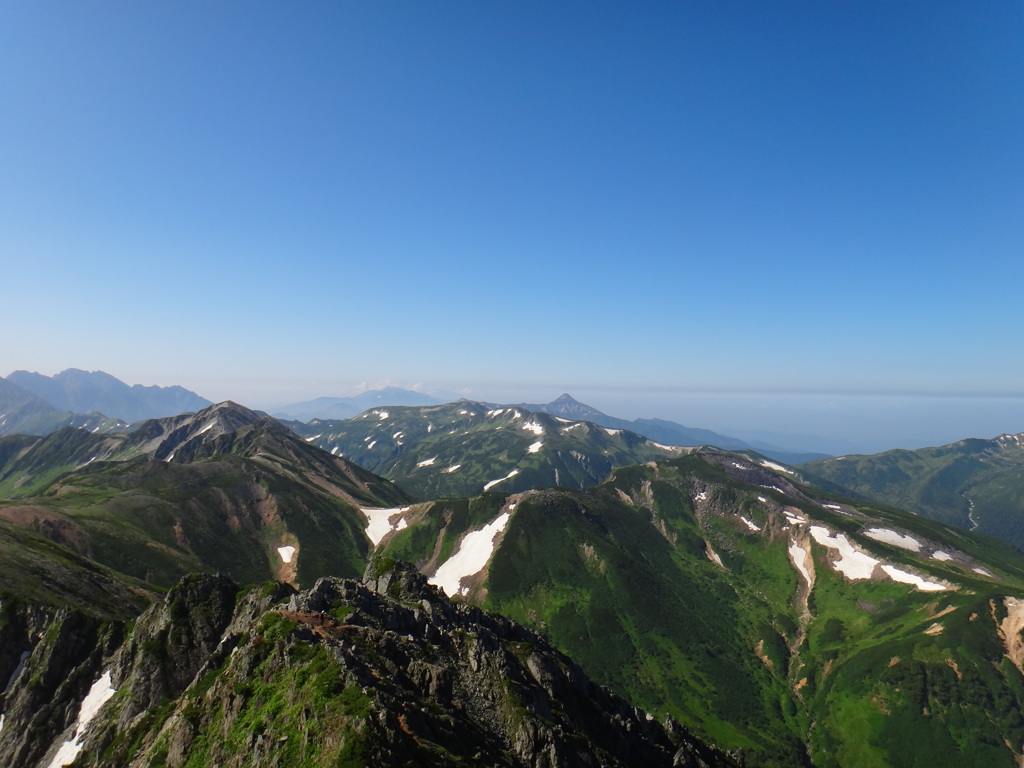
98	695
474	551
379	522
896	539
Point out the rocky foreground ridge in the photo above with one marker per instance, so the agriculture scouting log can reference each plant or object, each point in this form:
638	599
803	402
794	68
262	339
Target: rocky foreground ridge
386	671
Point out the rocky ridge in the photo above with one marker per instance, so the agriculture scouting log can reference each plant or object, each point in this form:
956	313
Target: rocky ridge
386	671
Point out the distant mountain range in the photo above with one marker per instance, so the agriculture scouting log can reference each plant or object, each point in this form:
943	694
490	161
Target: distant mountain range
664	431
463	448
31	403
347	407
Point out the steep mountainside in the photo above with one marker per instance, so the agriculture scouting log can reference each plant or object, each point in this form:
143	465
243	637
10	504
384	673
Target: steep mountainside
766	616
977	484
88	391
22	413
463	448
384	672
225	489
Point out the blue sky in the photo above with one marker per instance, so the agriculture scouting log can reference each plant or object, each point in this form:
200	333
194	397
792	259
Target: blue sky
695	210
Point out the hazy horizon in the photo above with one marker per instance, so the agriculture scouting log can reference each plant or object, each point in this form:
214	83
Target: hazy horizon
827	422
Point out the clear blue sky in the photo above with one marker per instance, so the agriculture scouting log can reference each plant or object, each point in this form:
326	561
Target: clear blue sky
270	201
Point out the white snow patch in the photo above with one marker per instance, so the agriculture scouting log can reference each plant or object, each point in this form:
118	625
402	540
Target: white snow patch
286	553
738	465
750	524
776	467
571	426
612	432
982	571
896	539
662	447
334	451
171	456
426	462
383	414
702	496
403	523
379	522
534	427
2	718
452	468
940	555
833	506
904	577
16	672
798	555
795	516
852	563
311	439
493	483
94	700
370	446
209	426
430	427
516	414
536	446
474	551
762	499
498	412
397	435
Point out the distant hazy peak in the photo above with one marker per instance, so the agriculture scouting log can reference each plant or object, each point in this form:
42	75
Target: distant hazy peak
77	391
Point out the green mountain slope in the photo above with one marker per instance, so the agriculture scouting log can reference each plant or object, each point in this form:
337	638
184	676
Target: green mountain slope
977	484
768	617
225	489
463	448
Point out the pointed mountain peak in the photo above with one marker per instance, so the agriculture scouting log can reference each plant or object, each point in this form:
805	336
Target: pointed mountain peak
565	399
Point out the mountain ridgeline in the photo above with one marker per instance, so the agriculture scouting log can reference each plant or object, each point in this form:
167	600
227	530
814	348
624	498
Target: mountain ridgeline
95	391
977	484
385	671
717	597
463	448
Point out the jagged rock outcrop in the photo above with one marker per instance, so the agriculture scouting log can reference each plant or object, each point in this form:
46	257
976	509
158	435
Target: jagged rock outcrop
386	671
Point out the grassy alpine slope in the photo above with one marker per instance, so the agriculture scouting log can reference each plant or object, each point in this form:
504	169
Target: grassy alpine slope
225	489
768	617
